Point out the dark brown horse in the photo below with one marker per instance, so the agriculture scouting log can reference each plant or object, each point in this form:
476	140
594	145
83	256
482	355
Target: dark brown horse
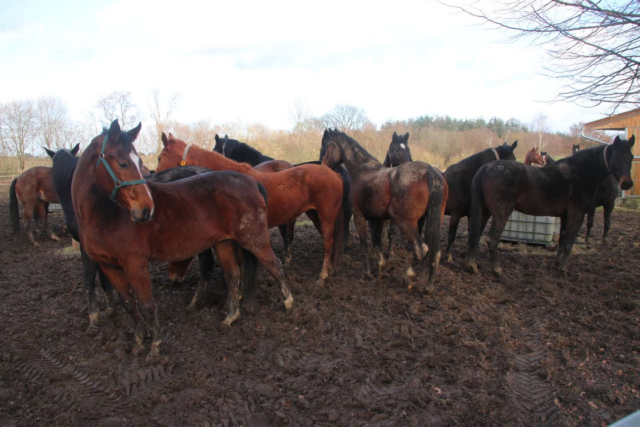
125	222
533	158
459	178
311	189
566	190
606	197
403	194
35	190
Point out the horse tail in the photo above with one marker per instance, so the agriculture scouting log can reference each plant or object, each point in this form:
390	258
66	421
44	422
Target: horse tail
249	262
338	234
475	213
437	188
13	207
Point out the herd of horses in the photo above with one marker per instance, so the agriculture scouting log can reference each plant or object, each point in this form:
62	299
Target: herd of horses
226	200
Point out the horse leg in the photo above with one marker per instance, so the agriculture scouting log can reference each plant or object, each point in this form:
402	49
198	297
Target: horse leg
137	274
206	263
177	271
361	226
29	209
118	278
390	231
377	227
347	211
590	216
474	239
46	223
454	221
285	243
563	228
226	251
608	210
108	290
89	270
327	242
290	234
574	222
420	249
267	258
497	227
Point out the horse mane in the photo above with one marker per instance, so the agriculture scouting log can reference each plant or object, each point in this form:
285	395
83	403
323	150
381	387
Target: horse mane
587	158
63	174
245	148
355	145
472	160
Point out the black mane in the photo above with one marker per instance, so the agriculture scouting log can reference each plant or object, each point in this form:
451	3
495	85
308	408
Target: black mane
241	152
355	145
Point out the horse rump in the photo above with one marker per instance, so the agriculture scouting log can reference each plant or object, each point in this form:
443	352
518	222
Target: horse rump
437	196
13	207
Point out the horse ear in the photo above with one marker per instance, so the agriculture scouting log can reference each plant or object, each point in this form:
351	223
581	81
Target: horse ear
616	140
49	152
217	138
226	136
406	138
394	137
135	131
165	140
114	131
514	145
632	141
75	149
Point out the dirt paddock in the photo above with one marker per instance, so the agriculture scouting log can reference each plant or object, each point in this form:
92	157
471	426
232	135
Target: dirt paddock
529	348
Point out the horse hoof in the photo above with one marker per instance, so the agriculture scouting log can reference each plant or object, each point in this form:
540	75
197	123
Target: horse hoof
449	258
320	283
565	273
193	305
110	312
288	303
231	318
367	276
497	271
55	238
473	268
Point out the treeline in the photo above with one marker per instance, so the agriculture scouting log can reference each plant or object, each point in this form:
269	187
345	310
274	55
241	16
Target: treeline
28	125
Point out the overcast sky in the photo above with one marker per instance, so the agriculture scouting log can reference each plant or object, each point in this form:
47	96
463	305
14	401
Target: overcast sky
250	60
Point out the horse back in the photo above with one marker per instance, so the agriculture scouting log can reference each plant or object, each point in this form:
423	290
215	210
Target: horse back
37	182
271	166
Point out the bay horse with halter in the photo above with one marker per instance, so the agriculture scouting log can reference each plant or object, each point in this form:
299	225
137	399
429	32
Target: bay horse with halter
533	158
606	196
64	166
244	153
125	221
403	194
566	190
311	189
35	191
459	178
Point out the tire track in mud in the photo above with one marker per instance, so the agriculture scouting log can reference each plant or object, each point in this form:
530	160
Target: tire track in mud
529	395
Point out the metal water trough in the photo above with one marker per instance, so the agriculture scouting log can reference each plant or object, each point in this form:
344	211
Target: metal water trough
538	230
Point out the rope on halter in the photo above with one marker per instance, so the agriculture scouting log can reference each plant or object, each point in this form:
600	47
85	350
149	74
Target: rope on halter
606	162
184	155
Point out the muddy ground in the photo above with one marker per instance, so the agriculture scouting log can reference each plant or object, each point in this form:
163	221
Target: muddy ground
529	348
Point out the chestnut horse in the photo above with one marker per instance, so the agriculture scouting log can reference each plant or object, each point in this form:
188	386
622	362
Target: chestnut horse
566	190
125	222
534	158
35	190
403	194
313	189
459	178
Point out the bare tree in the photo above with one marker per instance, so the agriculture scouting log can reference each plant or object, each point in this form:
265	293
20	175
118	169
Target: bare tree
19	128
540	127
593	44
161	112
53	122
299	113
118	105
346	118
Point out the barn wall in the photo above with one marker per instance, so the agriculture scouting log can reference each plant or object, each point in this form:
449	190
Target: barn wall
635	168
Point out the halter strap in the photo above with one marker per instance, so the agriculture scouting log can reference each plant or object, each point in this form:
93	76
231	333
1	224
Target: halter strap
117	184
184	155
606	162
495	153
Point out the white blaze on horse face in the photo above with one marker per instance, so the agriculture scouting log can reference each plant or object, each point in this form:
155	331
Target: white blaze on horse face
136	161
404	147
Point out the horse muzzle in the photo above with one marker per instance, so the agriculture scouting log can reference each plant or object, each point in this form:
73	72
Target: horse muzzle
626	183
142	215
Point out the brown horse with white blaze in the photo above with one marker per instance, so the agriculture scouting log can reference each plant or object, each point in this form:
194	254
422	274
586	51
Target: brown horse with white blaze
125	222
311	189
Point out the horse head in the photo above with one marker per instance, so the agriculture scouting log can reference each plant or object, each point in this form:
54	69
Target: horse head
119	167
172	152
505	151
575	148
332	155
619	161
534	157
399	152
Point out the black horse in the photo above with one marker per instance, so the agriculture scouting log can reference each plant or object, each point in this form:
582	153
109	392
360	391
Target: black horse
64	165
566	190
548	160
459	178
239	151
606	197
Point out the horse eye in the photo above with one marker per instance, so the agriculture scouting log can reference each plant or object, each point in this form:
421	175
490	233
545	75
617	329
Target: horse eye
123	165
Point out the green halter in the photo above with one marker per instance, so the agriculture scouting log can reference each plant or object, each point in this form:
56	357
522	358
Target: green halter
116	182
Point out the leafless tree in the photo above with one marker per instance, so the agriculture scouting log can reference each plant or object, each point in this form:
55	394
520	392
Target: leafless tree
541	129
346	118
161	113
19	128
299	113
594	44
118	105
54	126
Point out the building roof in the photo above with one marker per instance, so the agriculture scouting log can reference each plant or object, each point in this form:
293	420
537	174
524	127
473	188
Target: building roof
621	121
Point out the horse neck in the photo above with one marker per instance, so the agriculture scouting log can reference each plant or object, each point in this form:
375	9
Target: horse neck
216	161
592	170
356	158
